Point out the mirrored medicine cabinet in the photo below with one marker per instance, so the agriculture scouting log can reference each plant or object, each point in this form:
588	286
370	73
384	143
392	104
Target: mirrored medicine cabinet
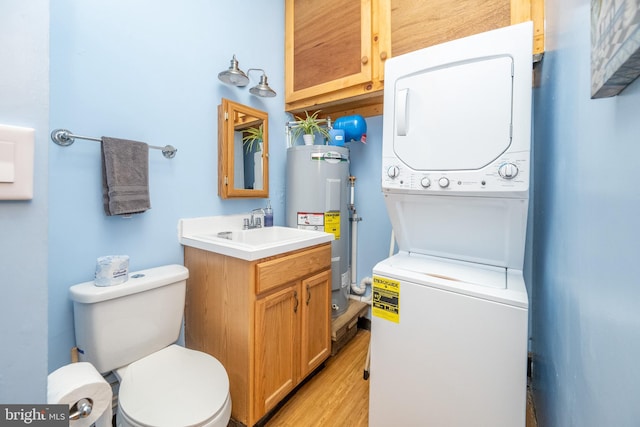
243	151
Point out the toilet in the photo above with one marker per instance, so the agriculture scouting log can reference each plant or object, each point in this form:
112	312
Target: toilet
131	329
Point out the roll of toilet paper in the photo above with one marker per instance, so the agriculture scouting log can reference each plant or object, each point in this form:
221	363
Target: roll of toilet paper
71	383
112	270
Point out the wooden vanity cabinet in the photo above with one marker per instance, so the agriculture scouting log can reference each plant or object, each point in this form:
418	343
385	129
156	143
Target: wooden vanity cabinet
292	337
267	321
335	51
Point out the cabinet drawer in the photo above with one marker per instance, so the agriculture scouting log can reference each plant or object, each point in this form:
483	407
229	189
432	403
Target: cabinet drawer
276	272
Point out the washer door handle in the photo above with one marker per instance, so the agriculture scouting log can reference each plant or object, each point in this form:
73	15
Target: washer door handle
402	107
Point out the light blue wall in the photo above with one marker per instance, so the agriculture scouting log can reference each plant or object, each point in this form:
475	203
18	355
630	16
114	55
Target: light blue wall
374	231
586	298
147	70
24	101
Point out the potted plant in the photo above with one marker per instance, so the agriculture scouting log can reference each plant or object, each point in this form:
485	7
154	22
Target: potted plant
252	136
310	125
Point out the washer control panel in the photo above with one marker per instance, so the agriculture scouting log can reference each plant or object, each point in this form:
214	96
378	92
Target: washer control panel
503	175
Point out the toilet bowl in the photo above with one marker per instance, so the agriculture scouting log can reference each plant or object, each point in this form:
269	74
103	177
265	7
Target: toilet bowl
174	387
131	329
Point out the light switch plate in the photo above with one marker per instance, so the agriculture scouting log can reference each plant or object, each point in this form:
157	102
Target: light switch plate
7	161
16	162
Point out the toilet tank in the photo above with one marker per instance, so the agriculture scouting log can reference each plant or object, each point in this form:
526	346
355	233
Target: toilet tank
117	325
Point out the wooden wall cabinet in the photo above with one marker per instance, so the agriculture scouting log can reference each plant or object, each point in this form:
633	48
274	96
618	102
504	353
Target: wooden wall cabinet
267	321
335	51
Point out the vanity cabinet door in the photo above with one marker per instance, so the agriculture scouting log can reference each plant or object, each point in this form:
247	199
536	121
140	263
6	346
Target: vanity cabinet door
276	347
316	322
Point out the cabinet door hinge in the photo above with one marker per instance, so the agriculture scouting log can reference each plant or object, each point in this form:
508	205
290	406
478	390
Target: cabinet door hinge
226	180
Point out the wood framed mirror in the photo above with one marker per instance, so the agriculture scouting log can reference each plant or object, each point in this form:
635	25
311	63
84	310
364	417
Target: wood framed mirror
243	151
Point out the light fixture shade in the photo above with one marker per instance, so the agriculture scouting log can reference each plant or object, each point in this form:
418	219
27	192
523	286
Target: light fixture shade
234	76
262	88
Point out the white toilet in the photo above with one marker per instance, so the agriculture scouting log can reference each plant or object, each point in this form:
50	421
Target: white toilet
131	329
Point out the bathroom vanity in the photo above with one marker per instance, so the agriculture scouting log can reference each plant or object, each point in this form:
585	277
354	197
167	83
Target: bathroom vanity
267	320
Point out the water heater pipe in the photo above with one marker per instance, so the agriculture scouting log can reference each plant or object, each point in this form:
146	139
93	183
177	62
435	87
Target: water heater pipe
352	197
368	281
355	288
354	230
354	252
352	182
362	287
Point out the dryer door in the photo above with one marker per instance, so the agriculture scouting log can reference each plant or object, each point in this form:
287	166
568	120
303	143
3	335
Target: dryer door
456	116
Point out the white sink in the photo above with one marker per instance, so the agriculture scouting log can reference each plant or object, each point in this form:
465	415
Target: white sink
259	236
221	237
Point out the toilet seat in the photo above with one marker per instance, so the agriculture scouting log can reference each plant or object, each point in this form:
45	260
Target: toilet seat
175	386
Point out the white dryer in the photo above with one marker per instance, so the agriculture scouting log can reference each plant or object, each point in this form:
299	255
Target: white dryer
450	310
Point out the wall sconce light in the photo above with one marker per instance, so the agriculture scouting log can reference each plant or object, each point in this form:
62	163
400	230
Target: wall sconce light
236	77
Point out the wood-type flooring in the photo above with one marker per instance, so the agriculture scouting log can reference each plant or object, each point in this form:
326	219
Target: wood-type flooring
337	396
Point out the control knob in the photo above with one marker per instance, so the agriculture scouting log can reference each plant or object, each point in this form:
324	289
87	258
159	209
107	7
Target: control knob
393	171
425	182
508	170
443	182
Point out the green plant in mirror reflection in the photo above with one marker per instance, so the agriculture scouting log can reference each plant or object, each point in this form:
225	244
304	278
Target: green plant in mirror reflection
251	136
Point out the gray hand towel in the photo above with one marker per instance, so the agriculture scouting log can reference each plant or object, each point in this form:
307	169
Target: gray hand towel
125	176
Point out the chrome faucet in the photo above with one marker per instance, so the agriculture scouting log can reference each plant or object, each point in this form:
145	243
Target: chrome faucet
254	222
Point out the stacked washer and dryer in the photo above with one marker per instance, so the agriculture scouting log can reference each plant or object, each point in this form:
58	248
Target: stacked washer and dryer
450	309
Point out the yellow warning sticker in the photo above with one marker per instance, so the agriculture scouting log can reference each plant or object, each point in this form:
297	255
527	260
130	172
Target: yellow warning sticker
386	299
332	223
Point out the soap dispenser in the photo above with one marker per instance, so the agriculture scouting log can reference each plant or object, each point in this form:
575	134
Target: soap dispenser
268	215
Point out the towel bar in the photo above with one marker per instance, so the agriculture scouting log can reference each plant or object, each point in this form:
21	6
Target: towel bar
65	138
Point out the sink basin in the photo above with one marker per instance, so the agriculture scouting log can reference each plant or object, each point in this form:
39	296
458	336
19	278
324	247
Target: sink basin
252	244
258	237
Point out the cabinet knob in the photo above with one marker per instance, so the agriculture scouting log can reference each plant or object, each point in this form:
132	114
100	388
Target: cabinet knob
308	294
364	60
383	55
295	306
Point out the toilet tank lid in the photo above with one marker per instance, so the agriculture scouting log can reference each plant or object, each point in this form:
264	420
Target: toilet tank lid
139	281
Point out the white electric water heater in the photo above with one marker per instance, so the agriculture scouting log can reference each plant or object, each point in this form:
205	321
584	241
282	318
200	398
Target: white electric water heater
317	199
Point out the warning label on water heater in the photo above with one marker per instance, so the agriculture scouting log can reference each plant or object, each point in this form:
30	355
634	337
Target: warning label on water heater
311	221
386	299
328	222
